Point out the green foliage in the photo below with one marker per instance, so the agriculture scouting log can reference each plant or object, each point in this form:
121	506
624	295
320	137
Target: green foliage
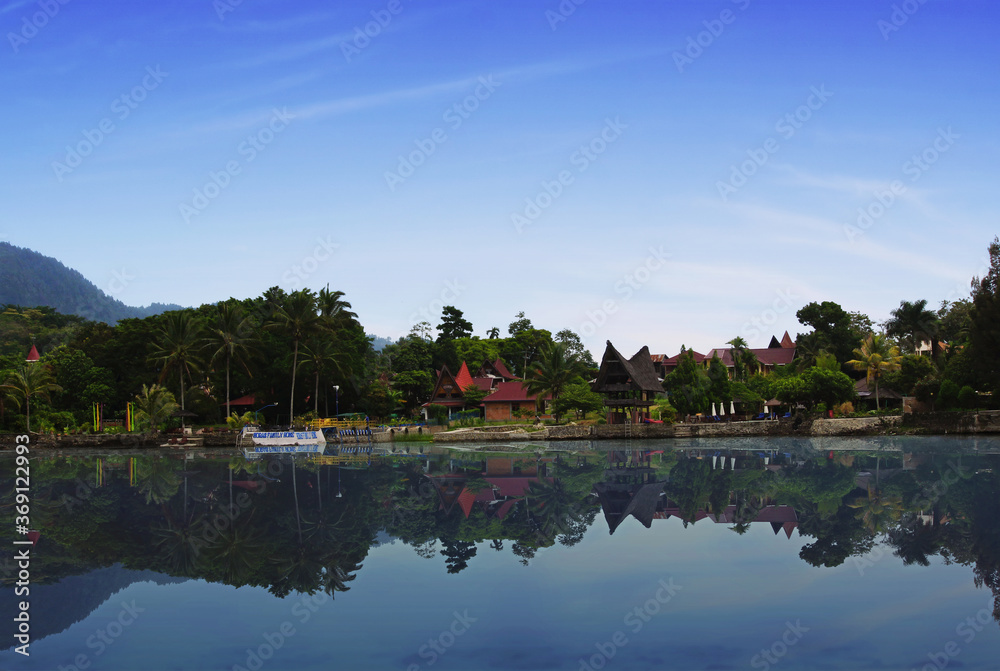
833	331
947	395
719	389
578	397
453	326
912	369
876	357
473	395
154	405
552	373
688	386
438	412
968	398
912	323
984	331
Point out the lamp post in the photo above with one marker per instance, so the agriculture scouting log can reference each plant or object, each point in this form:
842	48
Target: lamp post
336	388
272	405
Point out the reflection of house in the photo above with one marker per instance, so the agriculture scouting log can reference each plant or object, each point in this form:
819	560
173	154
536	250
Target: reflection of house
448	389
629	487
627	385
781	518
506	481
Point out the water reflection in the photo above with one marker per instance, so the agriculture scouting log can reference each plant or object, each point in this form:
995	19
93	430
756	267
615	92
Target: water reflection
306	524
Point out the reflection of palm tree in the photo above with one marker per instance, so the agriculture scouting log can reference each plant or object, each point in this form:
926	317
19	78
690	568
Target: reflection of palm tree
552	506
157	478
915	542
237	550
336	577
877	510
180	545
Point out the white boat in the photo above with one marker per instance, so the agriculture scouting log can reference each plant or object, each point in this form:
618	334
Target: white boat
282	442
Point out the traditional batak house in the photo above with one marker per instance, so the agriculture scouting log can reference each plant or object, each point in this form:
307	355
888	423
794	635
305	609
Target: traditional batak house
448	390
629	386
777	353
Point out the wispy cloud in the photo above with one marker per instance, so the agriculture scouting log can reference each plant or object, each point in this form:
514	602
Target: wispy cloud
10	7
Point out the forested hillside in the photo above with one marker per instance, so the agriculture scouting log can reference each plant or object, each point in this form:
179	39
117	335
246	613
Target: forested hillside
29	279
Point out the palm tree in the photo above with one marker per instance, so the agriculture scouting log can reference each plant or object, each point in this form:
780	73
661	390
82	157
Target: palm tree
552	372
876	356
913	322
743	359
154	404
331	307
177	346
297	317
231	339
493	333
29	380
320	356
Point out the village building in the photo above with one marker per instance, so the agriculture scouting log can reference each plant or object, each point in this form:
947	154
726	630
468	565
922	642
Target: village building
629	386
449	389
777	353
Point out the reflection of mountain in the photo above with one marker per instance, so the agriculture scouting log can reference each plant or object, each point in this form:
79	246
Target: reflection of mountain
55	608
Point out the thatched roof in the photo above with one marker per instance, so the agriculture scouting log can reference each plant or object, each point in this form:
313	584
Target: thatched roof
636	373
619	502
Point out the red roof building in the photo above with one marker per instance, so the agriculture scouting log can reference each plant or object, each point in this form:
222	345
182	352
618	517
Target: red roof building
33	355
510	398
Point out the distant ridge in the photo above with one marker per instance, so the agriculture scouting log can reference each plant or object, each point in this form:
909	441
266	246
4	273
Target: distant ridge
29	279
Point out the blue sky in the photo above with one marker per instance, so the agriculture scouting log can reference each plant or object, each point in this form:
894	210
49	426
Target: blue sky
650	173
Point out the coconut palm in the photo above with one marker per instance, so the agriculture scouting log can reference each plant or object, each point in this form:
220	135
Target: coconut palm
154	405
551	373
178	345
230	339
298	318
331	307
744	361
493	333
29	380
319	355
876	356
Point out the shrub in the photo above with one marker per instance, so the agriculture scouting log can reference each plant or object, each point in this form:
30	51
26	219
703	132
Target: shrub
967	398
948	395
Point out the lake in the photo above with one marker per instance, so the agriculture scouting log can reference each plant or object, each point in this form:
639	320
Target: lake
835	553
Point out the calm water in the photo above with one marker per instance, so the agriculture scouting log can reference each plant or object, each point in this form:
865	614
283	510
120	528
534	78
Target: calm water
760	554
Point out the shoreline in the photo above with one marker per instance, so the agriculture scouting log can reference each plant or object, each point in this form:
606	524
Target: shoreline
919	424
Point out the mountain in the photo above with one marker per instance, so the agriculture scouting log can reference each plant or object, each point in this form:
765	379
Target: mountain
379	342
29	279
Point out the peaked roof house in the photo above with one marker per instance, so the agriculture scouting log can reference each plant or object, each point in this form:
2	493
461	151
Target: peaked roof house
448	389
511	399
627	385
777	353
33	355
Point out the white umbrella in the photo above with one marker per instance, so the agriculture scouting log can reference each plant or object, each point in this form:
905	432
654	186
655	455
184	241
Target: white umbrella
732	408
765	409
714	459
732	463
713	410
722	408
